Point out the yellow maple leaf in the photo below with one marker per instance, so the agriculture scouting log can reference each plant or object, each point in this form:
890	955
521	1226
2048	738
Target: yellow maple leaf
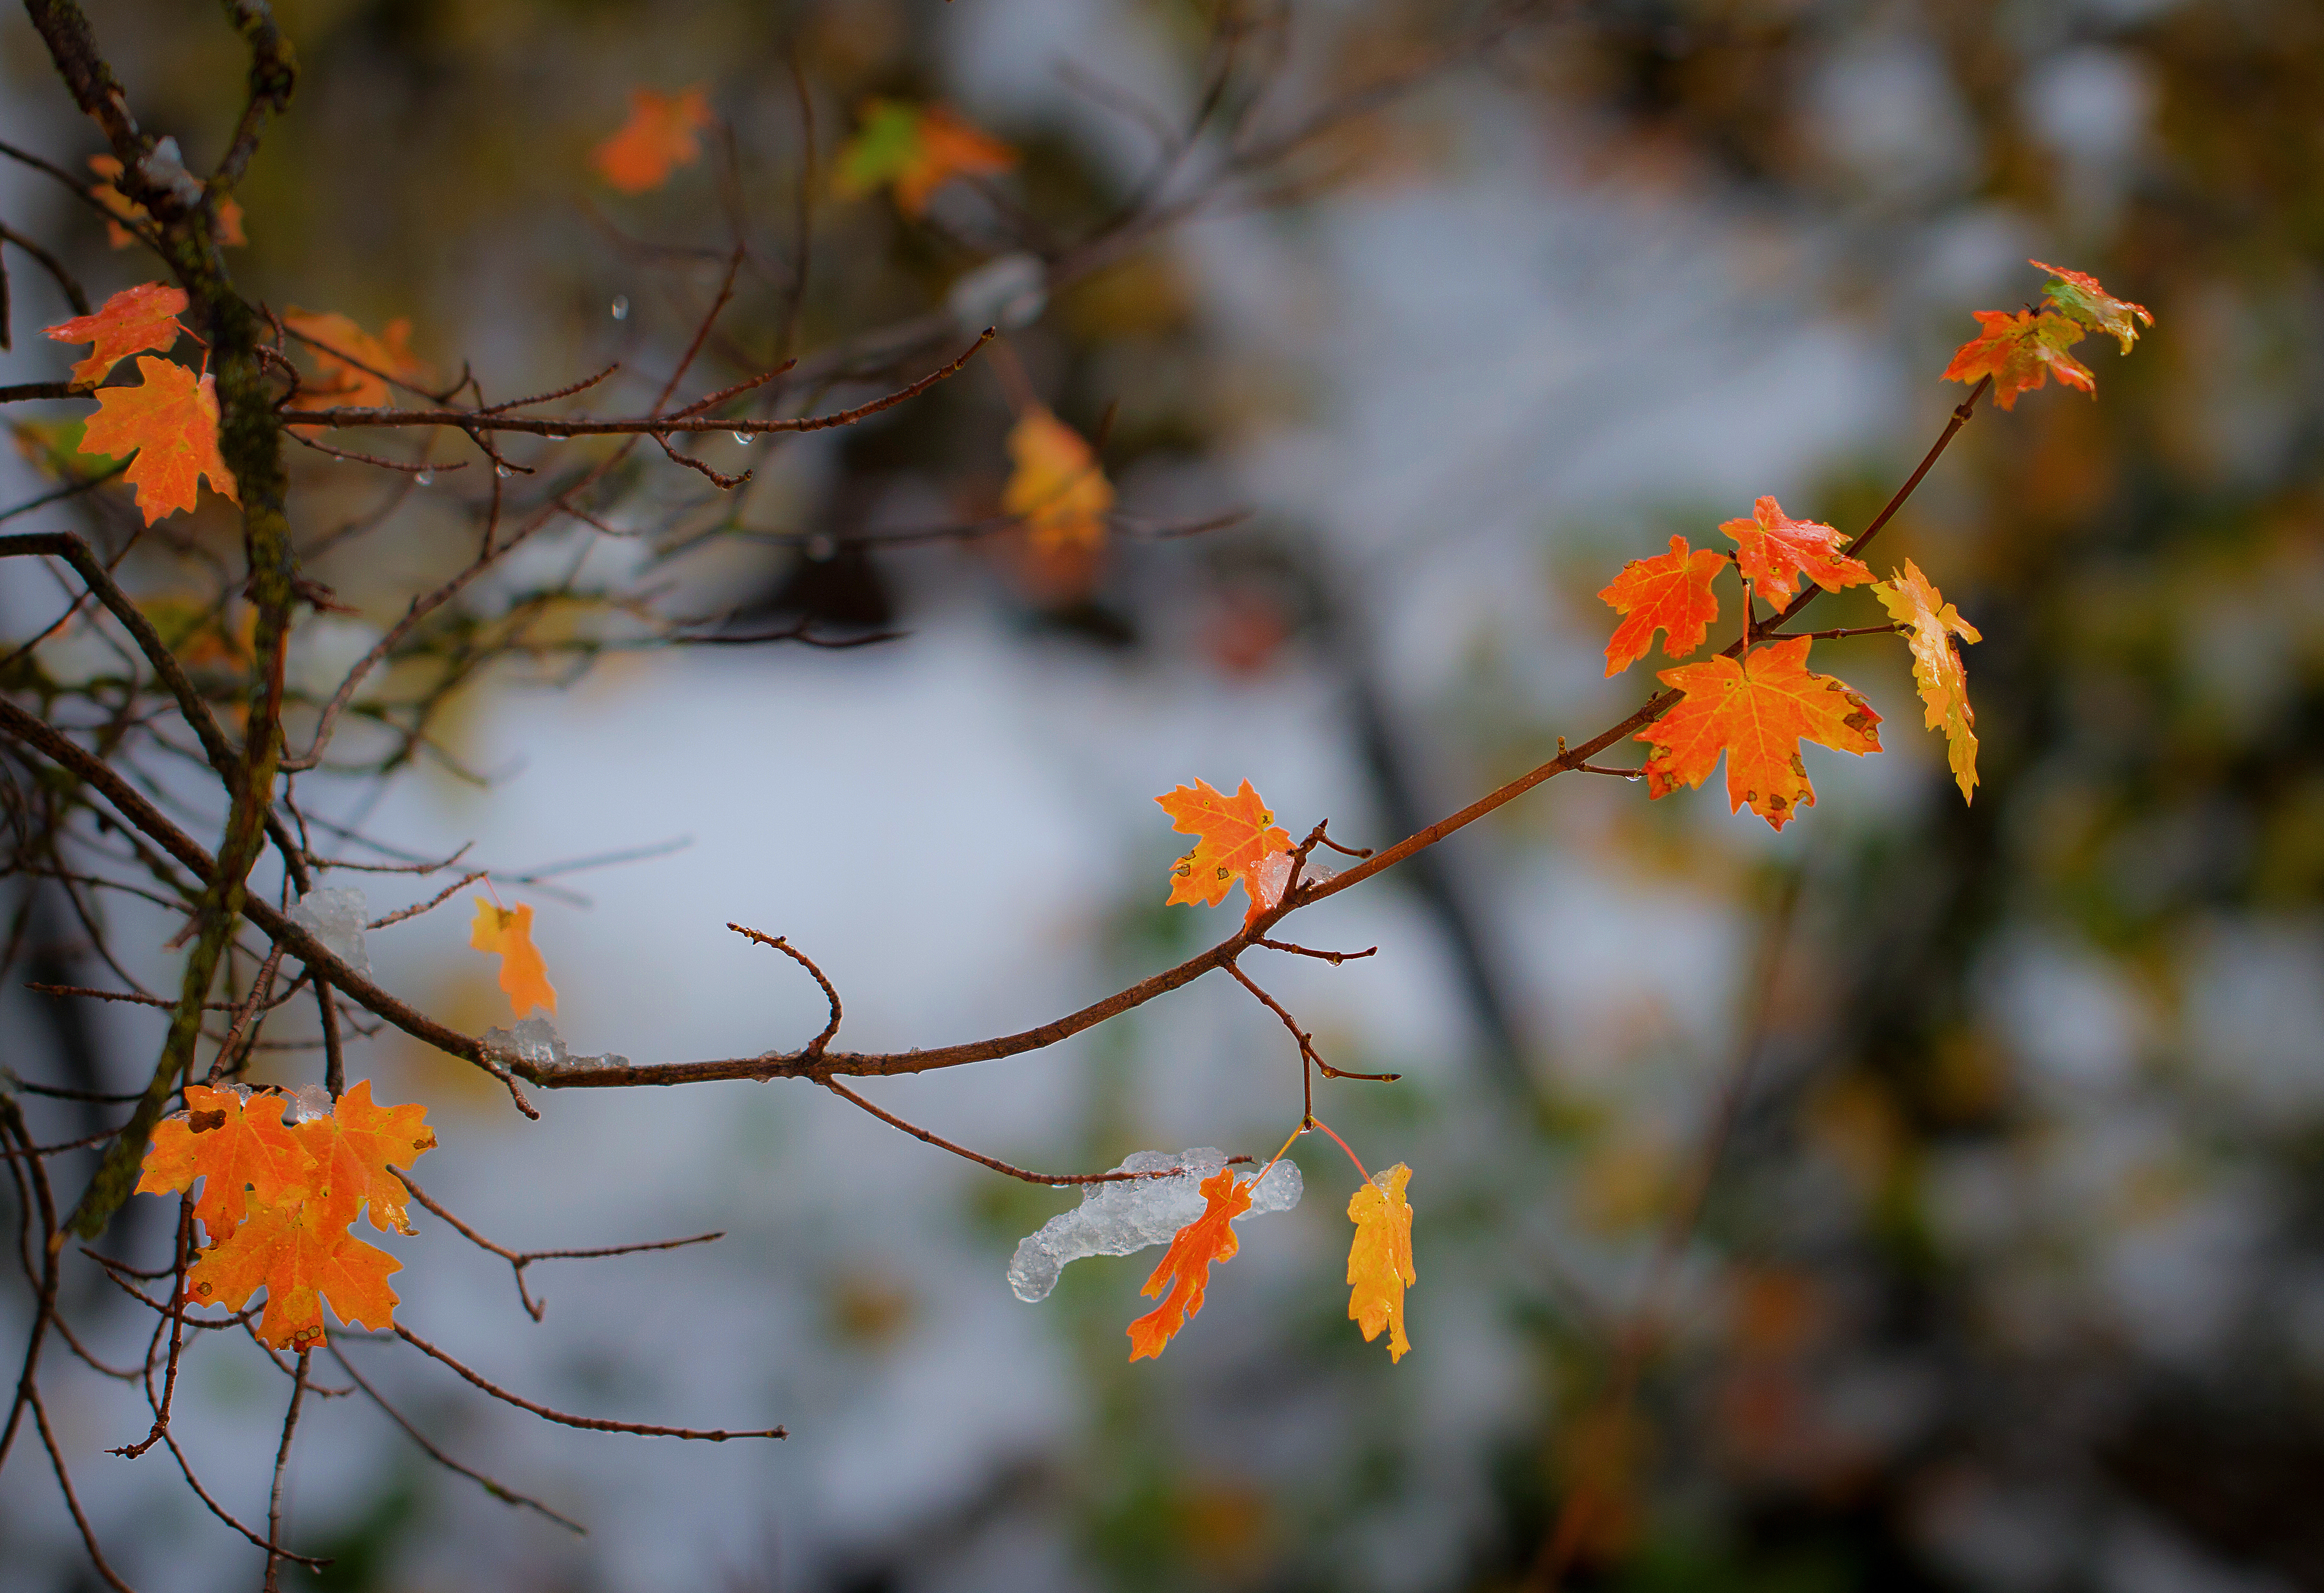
1932	623
1380	1262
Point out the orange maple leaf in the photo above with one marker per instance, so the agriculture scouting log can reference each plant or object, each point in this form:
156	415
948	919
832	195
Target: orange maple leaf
143	316
524	975
1237	833
1932	623
1757	710
1057	488
241	1149
1670	592
658	138
1186	1266
2082	296
170	421
916	149
355	1148
109	195
2021	350
1380	1262
1773	550
300	1256
356	367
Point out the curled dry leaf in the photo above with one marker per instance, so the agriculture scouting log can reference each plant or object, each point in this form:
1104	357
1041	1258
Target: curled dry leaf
1380	1262
1755	709
143	316
1932	623
1184	1270
170	421
1670	592
524	976
660	136
1237	833
1773	550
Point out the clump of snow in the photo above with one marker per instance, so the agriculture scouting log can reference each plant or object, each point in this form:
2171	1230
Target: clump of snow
335	915
537	1040
309	1102
1118	1218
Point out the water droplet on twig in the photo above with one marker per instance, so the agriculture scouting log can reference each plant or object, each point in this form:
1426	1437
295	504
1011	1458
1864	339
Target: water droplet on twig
425	478
743	438
503	471
620	307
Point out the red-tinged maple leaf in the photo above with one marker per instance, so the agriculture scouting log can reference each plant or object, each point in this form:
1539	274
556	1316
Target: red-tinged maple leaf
916	149
659	137
355	1148
300	1256
1057	486
1670	592
524	976
2021	351
170	421
1380	1262
242	1151
109	195
2082	296
356	367
1773	550
1185	1267
1238	832
1757	710
1932	623
143	316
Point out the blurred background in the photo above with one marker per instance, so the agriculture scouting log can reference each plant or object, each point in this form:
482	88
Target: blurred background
2009	1273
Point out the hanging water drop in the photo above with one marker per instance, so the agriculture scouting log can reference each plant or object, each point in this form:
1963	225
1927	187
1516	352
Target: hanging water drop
620	307
425	478
556	435
743	438
503	471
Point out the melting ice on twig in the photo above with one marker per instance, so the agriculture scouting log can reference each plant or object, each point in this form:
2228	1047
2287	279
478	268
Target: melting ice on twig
537	1040
335	915
1118	1218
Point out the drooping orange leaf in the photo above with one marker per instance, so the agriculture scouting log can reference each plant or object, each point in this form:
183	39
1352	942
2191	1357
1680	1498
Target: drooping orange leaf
1932	623
107	194
1773	550
241	1150
1380	1262
524	976
917	150
1057	486
1670	592
1237	833
143	316
1757	710
354	1149
658	138
2082	296
170	421
357	366
300	1256
2021	350
1185	1267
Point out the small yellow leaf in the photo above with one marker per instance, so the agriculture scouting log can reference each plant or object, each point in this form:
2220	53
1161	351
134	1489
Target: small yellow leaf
1930	623
524	976
1380	1262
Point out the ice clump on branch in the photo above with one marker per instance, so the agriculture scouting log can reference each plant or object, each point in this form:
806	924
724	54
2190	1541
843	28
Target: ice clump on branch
1118	1218
537	1040
335	915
